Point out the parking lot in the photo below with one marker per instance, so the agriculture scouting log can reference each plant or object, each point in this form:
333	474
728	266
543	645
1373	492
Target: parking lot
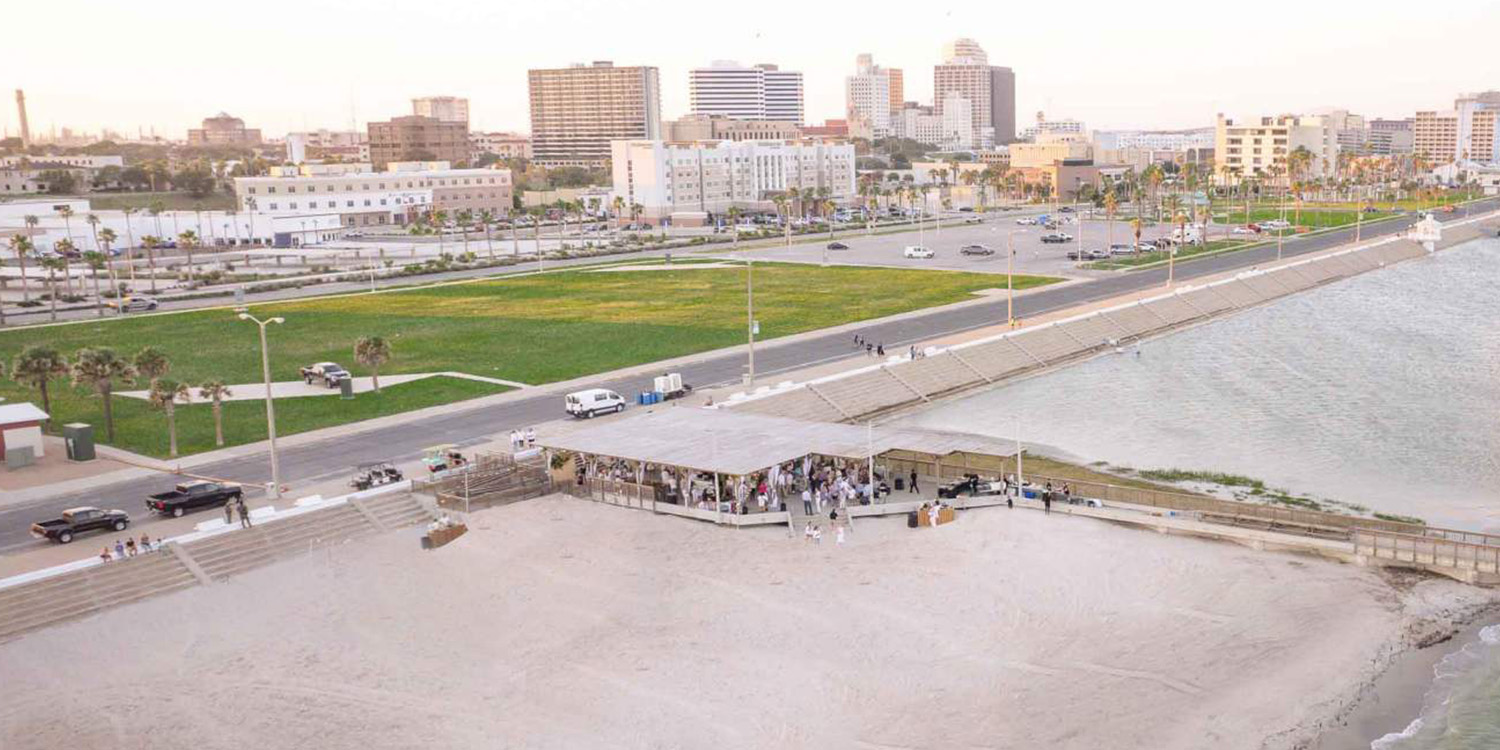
1032	255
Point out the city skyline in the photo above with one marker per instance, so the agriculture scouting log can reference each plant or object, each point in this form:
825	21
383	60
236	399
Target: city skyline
1170	73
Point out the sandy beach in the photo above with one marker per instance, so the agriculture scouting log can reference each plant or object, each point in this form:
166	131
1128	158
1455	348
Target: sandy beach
557	623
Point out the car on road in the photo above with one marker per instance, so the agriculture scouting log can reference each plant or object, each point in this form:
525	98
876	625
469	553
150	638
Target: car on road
75	521
918	251
1147	247
974	220
189	496
1275	224
331	373
1027	221
1065	210
976	250
1090	254
590	403
1243	230
837	246
133	304
1054	238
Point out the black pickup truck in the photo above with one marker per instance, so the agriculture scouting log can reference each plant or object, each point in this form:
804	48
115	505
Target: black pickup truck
190	496
76	521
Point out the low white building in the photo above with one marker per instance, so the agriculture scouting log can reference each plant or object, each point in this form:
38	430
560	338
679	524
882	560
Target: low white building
950	130
365	198
710	177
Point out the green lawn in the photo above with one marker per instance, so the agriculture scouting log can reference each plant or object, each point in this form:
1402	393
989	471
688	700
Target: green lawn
532	329
172	201
1310	216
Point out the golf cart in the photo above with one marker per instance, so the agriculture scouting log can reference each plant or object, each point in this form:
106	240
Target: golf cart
375	474
440	458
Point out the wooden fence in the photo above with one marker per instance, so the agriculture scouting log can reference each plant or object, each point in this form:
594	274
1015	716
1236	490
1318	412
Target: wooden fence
1427	550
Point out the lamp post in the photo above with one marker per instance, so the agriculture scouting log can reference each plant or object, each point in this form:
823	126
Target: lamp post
265	364
750	315
1010	268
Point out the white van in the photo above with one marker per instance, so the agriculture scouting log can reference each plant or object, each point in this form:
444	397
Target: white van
585	404
917	251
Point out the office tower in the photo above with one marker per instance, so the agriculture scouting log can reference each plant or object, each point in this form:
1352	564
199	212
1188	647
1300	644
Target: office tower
576	111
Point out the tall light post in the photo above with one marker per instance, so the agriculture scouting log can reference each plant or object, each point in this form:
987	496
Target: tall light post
750	315
265	365
1010	268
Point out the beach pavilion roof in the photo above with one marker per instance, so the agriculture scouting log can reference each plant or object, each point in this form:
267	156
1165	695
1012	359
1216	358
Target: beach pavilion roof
738	443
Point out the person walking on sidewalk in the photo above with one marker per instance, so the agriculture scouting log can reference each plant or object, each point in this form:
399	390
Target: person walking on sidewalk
244	513
913	487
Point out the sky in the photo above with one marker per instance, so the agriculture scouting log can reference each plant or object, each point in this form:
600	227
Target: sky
286	65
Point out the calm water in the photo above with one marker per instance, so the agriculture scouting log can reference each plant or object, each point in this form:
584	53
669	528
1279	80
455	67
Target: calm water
1381	390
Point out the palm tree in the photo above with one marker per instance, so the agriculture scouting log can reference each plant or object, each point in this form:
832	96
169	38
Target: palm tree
53	265
372	352
164	395
734	223
1111	204
780	202
107	243
95	261
188	239
22	245
215	391
99	368
93	222
66	212
439	218
151	363
150	242
65	250
617	207
486	219
828	207
464	218
35	366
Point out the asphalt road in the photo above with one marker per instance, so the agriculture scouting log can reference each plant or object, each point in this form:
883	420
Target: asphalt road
336	457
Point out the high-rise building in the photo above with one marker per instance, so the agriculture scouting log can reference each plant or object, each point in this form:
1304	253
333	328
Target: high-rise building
445	108
576	111
872	99
1464	133
991	90
1258	147
760	92
417	138
223	130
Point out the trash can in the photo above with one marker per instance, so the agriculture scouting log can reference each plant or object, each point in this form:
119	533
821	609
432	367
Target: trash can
346	388
79	438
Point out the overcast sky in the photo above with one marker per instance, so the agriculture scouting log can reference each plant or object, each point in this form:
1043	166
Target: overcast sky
292	65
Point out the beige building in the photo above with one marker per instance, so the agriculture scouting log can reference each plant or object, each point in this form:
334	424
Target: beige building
367	198
990	89
503	145
710	177
417	138
445	108
714	128
576	111
223	130
1049	150
1258	147
1464	133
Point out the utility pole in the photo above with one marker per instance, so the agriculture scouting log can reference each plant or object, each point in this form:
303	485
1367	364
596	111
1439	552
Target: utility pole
265	364
750	315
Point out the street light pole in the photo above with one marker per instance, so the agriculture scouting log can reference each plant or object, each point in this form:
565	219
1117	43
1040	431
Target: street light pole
265	364
750	314
1010	287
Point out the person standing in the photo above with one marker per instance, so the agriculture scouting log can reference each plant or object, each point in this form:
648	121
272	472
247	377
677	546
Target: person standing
913	487
839	536
807	508
119	550
1047	502
228	513
244	513
932	515
880	350
530	437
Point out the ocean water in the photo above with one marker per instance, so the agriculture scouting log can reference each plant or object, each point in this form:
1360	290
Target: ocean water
1381	390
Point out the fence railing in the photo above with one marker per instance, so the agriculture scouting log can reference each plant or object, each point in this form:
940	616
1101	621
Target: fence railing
1427	550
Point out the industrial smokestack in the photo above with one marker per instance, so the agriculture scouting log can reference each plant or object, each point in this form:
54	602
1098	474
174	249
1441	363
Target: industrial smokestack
21	111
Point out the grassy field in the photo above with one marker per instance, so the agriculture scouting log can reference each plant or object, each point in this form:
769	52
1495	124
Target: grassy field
1314	217
171	201
533	329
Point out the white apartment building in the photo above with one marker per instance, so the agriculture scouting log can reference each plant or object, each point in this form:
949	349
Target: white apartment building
1044	126
710	177
445	108
873	99
760	92
322	144
1257	147
365	198
1465	133
1154	140
950	128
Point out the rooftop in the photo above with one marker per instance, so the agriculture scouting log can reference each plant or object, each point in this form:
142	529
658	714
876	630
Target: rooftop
737	443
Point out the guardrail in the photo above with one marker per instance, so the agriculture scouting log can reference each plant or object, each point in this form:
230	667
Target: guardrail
1427	550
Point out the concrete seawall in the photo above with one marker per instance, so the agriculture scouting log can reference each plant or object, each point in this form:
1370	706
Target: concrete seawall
901	382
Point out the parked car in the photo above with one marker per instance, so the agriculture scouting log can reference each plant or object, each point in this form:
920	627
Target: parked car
918	251
193	496
133	303
593	402
1097	253
975	250
1244	230
329	372
837	246
1053	238
1147	247
1065	210
974	220
1026	221
75	521
1118	249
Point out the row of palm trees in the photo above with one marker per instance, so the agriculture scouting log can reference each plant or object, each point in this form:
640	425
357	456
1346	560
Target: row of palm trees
102	368
467	220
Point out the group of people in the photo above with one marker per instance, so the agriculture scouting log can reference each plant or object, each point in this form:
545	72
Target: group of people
871	349
522	439
130	548
237	506
814	533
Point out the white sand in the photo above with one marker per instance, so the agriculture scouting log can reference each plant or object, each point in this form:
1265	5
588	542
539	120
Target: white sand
562	624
